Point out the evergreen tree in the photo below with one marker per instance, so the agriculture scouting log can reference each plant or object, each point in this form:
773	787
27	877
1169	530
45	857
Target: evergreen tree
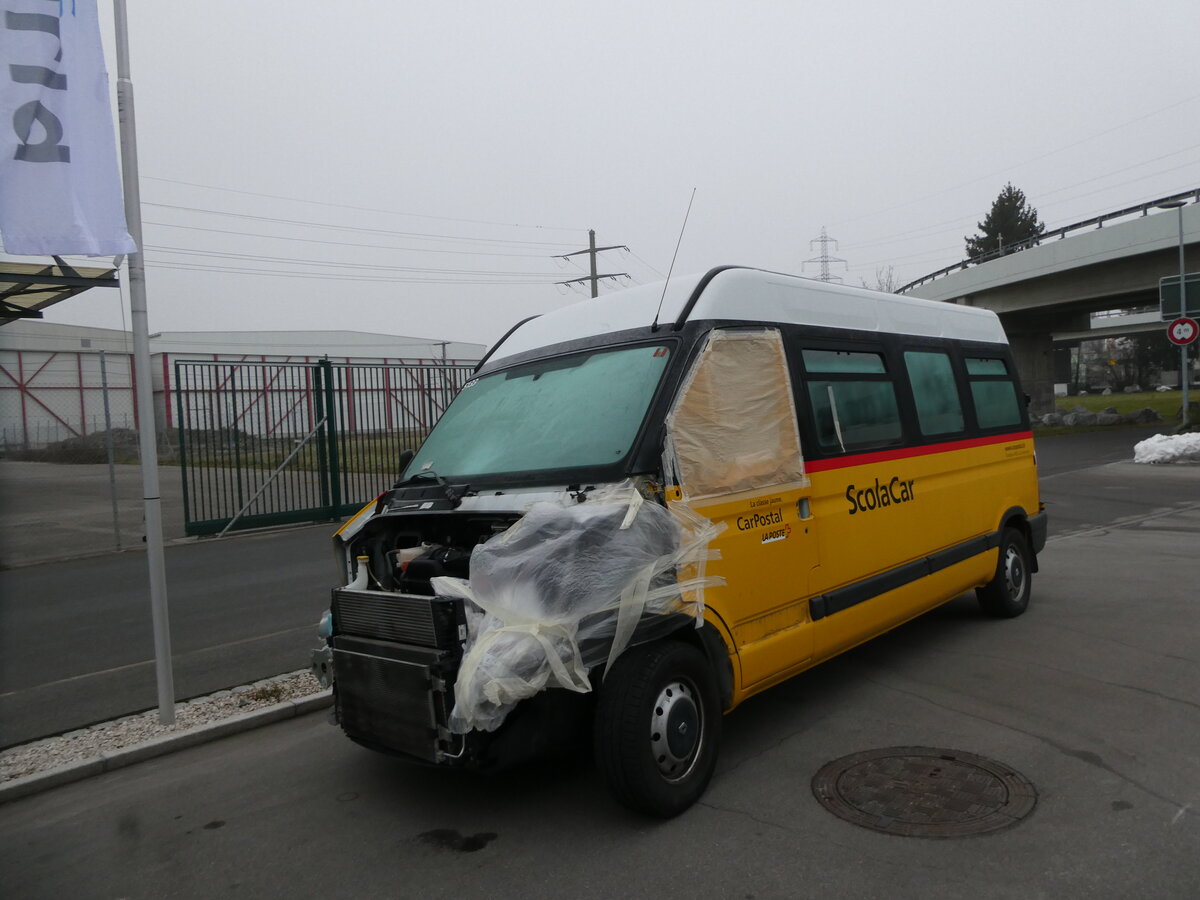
1010	221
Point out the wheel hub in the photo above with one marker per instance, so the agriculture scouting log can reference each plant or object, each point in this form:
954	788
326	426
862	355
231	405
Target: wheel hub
1014	573
676	730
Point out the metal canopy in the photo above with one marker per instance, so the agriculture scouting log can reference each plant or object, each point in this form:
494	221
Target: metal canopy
28	288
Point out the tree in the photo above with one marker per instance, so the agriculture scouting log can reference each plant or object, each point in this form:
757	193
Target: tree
1117	363
885	280
1010	221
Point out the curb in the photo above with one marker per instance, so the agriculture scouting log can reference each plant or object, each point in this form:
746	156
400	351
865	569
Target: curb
127	756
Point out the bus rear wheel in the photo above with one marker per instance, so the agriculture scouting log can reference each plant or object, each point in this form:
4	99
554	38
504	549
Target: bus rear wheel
658	724
1007	594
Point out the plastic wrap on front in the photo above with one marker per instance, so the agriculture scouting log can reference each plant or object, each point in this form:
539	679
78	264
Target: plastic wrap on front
733	427
565	573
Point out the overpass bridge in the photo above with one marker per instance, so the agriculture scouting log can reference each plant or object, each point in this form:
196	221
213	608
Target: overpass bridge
1048	290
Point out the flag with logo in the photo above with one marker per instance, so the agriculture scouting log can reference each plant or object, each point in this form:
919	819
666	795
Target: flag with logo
60	188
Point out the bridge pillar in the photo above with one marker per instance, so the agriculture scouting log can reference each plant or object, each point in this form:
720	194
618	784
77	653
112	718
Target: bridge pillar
1064	373
1034	353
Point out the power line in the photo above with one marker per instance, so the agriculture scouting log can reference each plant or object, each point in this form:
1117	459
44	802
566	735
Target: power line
330	263
647	265
336	276
1190	150
1026	162
953	252
966	221
418	235
281	237
390	212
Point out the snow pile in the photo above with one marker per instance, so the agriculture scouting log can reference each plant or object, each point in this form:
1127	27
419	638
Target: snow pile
1163	448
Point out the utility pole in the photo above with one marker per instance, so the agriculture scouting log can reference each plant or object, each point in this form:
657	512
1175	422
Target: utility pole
592	250
824	259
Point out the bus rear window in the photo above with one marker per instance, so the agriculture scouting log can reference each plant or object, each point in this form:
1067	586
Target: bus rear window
993	393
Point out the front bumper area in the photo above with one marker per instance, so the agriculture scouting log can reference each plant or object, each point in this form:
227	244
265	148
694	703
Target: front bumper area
393	659
395	696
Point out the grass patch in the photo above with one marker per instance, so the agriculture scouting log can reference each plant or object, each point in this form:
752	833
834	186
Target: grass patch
1050	430
1166	403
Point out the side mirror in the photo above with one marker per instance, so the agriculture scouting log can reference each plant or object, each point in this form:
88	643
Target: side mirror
405	458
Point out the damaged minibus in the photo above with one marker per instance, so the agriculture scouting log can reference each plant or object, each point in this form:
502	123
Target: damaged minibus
645	508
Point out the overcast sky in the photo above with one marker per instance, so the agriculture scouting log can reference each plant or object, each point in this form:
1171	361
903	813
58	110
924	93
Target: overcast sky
413	167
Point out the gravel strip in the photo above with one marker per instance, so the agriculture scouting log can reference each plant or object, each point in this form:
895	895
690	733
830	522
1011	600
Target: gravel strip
105	737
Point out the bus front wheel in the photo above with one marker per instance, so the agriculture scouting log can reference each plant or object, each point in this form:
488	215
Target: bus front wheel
1007	594
658	724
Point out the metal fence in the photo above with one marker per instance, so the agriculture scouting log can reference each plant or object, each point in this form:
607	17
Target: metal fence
264	443
67	406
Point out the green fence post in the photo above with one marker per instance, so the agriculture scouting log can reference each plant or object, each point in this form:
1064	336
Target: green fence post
332	426
236	438
318	399
183	461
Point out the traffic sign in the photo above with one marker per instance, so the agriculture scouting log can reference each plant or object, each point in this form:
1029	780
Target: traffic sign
1168	296
1183	331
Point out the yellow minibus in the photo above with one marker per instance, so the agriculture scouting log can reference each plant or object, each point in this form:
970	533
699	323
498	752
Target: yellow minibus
647	507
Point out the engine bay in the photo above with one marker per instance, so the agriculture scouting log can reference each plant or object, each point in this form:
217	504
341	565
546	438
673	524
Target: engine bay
405	550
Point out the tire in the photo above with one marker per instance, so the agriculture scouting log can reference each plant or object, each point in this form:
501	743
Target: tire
1007	594
648	689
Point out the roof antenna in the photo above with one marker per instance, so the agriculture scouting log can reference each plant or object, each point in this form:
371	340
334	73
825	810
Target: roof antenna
654	324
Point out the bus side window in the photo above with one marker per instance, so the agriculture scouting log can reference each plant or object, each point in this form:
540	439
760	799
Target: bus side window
853	400
935	392
993	393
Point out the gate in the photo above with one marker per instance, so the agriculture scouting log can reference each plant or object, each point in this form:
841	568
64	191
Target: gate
264	443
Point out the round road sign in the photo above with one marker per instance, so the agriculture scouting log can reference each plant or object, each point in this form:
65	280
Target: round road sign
1183	331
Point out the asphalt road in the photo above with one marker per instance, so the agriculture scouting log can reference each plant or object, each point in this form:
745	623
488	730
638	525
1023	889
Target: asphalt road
76	644
1060	453
1091	695
1072	506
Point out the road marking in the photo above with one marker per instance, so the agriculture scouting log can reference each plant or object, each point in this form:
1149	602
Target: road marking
1123	523
1087	468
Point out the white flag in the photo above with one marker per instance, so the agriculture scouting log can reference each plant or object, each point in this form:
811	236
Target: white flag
60	189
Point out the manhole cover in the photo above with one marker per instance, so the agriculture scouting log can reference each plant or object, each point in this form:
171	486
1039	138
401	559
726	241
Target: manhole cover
924	792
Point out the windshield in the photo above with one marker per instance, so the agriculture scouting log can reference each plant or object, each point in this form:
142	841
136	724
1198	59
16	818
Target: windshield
568	412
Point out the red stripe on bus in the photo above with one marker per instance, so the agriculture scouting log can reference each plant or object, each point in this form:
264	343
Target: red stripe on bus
866	459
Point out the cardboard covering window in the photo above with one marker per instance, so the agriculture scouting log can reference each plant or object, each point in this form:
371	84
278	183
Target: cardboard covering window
733	427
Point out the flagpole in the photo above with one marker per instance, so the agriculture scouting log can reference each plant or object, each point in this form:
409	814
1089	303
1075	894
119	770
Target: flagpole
143	391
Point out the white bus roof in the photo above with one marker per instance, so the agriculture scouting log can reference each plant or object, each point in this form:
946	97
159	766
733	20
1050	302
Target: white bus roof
753	295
